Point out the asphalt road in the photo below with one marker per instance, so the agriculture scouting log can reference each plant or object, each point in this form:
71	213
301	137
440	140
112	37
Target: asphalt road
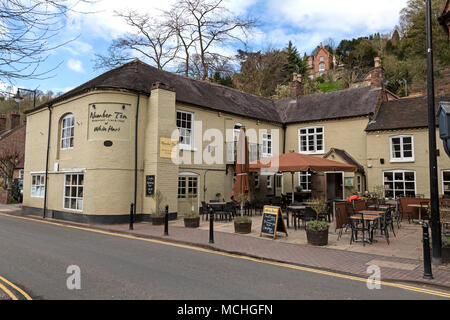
36	256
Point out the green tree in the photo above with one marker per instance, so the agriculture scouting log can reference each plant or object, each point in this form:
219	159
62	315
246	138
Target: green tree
295	63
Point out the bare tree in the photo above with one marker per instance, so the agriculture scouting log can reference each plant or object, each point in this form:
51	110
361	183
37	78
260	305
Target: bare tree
213	25
26	28
153	39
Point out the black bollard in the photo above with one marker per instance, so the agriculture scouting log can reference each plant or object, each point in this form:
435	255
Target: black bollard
427	272
166	221
211	225
131	216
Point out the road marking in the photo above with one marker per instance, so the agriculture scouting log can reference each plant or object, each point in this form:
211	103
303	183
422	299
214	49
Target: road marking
23	293
279	264
9	293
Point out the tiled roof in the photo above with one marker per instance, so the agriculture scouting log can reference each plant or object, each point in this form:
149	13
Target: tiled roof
327	106
404	113
139	77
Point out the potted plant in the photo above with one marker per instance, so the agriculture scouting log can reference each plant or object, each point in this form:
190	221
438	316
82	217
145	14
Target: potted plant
192	220
158	215
242	224
298	189
446	249
317	231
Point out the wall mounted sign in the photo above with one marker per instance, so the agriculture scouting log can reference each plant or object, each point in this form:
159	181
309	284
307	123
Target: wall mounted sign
149	185
109	121
168	148
272	222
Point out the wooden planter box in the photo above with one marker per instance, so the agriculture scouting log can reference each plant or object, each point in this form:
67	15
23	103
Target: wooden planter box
243	227
446	254
157	220
192	222
317	238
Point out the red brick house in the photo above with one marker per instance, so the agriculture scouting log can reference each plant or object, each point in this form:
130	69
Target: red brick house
444	19
320	62
12	152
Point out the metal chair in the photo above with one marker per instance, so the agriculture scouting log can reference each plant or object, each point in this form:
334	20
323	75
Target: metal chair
402	211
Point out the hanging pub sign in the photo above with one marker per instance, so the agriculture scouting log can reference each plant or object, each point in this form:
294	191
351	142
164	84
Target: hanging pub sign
149	185
109	121
272	222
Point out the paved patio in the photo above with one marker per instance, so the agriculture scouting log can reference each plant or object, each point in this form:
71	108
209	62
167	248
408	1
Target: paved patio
406	244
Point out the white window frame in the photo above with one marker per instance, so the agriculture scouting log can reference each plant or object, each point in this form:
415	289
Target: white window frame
322	66
359	183
443	181
315	134
187	176
70	197
184	146
266	151
39	186
308	179
393	175
402	158
269	182
67	138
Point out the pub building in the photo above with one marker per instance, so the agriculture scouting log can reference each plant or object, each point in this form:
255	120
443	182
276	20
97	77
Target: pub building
109	143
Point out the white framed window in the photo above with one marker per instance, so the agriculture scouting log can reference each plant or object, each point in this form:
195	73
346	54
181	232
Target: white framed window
269	182
73	191
311	140
67	132
445	182
304	179
322	66
399	183
279	181
256	181
266	145
37	185
402	148
322	59
187	186
358	184
185	125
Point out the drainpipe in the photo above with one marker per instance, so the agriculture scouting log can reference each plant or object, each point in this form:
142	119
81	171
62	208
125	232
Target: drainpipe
284	138
46	162
136	153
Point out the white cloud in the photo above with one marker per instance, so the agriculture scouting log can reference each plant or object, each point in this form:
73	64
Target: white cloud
75	65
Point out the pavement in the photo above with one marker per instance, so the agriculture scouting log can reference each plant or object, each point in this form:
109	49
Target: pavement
332	258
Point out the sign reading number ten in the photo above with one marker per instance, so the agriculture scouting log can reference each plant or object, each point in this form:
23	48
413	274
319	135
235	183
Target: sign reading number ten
272	222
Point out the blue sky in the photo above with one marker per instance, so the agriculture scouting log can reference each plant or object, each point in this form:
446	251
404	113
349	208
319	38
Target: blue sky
305	22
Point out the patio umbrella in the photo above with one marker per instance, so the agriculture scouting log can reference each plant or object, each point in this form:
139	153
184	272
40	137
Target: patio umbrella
294	162
241	185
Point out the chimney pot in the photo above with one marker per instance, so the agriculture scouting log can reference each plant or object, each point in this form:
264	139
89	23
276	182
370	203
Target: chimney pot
377	62
297	87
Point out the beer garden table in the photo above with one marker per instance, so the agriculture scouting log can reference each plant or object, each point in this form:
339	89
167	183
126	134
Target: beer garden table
368	216
293	209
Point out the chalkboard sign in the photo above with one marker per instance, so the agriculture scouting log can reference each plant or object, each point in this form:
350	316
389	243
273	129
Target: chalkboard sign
272	222
149	185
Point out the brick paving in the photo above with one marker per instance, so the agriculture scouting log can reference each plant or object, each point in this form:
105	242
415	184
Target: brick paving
342	261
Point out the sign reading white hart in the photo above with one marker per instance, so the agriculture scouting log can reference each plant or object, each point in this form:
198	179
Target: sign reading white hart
109	121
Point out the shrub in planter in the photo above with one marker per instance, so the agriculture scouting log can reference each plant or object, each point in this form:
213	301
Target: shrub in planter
243	224
317	232
192	220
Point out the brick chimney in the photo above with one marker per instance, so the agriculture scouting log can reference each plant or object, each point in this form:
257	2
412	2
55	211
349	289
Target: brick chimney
2	122
14	119
297	87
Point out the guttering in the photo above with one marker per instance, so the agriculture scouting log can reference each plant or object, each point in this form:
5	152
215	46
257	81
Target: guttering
136	153
46	161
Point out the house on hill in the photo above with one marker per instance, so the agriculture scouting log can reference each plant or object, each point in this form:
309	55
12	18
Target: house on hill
321	61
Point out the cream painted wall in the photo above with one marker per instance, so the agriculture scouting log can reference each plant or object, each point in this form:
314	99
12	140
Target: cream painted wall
379	143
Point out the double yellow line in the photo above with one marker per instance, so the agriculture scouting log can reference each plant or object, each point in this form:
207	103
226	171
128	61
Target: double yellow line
278	264
6	286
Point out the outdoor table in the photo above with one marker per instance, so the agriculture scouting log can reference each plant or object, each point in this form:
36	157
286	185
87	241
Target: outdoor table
420	210
369	217
294	209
